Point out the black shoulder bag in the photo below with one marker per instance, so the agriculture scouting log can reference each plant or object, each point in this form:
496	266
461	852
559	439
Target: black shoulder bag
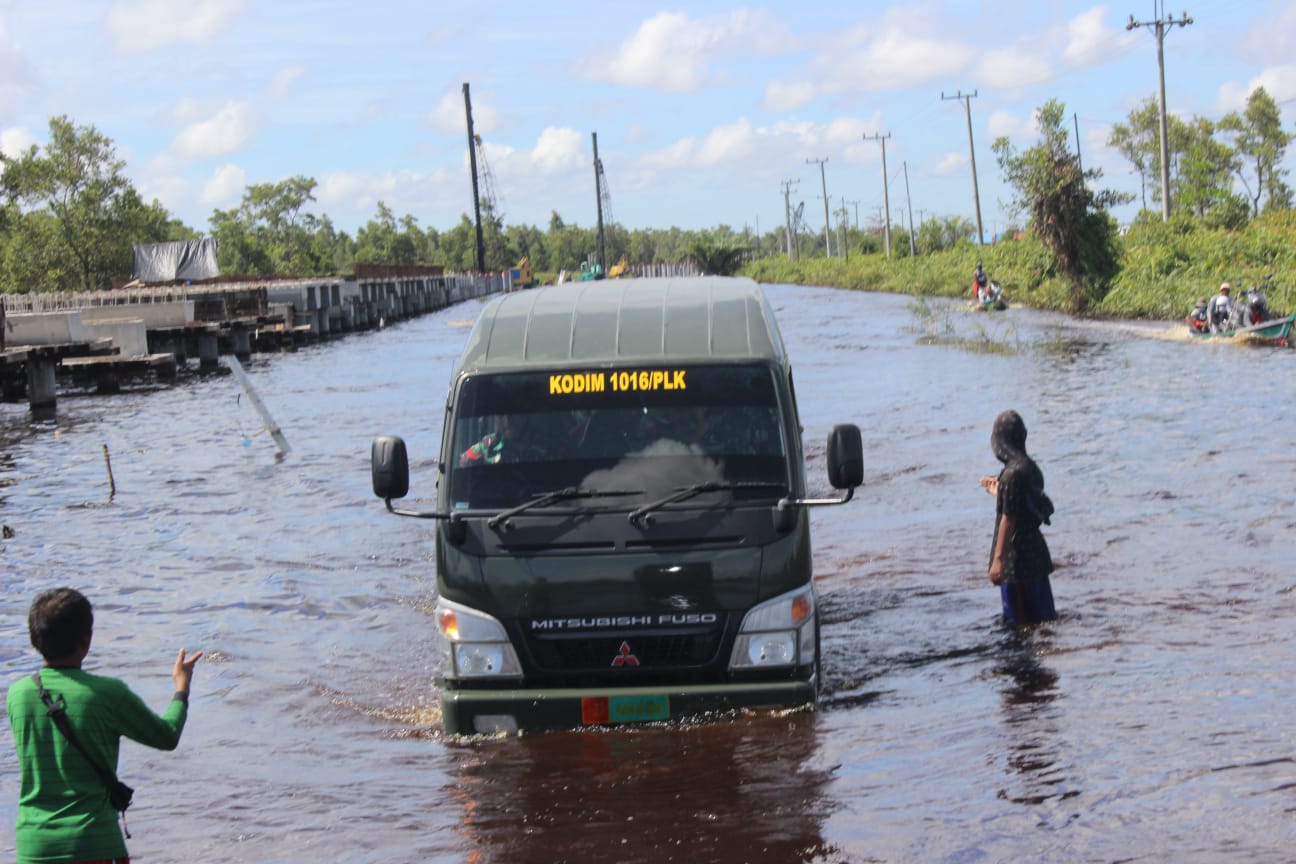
119	794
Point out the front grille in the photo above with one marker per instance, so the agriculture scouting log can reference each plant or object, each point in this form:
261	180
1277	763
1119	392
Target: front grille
642	652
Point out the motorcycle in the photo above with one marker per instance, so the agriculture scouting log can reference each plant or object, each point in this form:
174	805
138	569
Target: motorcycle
989	297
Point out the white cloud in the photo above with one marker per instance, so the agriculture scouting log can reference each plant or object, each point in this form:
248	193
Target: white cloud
224	133
448	116
727	143
676	53
802	133
676	155
893	55
344	186
638	133
845	131
786	96
737	143
15	142
187	110
137	26
356	194
1279	82
1088	42
951	164
1013	68
170	190
225	187
284	79
558	150
1003	124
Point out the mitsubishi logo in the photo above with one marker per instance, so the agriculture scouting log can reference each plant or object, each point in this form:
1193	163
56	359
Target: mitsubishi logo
624	657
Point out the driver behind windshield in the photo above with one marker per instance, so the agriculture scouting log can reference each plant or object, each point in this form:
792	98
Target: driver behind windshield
512	440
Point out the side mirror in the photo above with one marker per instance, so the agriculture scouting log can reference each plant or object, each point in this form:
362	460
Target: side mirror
389	465
845	457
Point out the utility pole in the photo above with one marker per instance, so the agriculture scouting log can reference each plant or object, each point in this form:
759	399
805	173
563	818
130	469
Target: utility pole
1161	23
976	194
856	203
824	182
598	192
886	199
472	161
844	229
787	212
1079	161
913	249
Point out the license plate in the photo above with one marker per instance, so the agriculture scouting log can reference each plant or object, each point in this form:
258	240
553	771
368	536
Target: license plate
638	709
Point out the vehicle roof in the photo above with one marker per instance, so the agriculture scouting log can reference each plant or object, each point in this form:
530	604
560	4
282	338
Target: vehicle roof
624	320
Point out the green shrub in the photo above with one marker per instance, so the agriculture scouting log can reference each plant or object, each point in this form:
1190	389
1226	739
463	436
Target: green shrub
1162	268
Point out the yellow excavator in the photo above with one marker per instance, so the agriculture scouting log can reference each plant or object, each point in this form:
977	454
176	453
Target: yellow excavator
621	268
521	275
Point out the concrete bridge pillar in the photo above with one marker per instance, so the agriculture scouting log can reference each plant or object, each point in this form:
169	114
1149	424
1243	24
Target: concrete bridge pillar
241	341
40	383
208	350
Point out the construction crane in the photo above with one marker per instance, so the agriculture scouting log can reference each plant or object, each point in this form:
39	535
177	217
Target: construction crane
472	162
490	199
605	196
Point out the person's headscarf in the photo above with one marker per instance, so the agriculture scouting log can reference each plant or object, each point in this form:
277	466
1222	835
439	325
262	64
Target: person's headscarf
1008	441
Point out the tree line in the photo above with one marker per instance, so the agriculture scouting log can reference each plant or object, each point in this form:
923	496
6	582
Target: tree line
69	215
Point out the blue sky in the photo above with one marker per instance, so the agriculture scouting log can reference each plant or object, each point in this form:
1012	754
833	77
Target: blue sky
703	110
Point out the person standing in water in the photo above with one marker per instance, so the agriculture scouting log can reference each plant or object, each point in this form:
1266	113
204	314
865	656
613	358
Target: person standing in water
1020	562
65	808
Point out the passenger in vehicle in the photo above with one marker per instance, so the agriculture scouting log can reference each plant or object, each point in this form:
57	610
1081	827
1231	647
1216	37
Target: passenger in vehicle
514	439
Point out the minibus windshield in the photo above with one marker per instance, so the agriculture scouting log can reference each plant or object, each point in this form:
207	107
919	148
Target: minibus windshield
649	429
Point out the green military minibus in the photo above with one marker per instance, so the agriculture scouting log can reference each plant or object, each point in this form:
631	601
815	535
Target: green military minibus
621	521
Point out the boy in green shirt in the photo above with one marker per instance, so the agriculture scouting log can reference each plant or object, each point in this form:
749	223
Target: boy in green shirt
64	815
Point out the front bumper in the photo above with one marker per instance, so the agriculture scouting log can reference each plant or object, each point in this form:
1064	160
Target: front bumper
472	712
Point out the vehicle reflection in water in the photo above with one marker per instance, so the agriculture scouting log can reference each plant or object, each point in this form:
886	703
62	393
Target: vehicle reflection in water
735	791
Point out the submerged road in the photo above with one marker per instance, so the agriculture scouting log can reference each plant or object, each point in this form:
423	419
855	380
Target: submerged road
1152	722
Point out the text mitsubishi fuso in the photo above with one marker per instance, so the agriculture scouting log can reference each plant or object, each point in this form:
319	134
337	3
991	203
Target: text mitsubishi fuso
622	531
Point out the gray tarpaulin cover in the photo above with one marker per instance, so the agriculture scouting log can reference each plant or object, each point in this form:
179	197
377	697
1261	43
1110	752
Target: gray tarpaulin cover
181	259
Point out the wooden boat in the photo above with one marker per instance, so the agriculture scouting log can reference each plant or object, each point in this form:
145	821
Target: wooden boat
1275	331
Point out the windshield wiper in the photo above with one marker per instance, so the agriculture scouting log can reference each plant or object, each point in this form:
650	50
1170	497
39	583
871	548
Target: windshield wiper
568	494
686	492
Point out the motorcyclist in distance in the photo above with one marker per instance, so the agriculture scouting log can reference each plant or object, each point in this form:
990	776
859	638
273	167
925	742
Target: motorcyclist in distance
1256	308
980	284
1221	307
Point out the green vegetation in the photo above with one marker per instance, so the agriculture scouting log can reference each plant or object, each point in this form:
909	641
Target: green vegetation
1162	268
1067	215
69	217
64	211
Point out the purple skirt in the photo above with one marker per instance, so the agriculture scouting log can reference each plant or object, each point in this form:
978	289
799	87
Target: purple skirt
1028	602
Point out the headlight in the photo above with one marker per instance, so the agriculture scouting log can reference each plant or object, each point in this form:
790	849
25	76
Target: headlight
778	632
479	646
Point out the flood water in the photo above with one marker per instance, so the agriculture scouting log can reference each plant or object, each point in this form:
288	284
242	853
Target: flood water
1152	722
